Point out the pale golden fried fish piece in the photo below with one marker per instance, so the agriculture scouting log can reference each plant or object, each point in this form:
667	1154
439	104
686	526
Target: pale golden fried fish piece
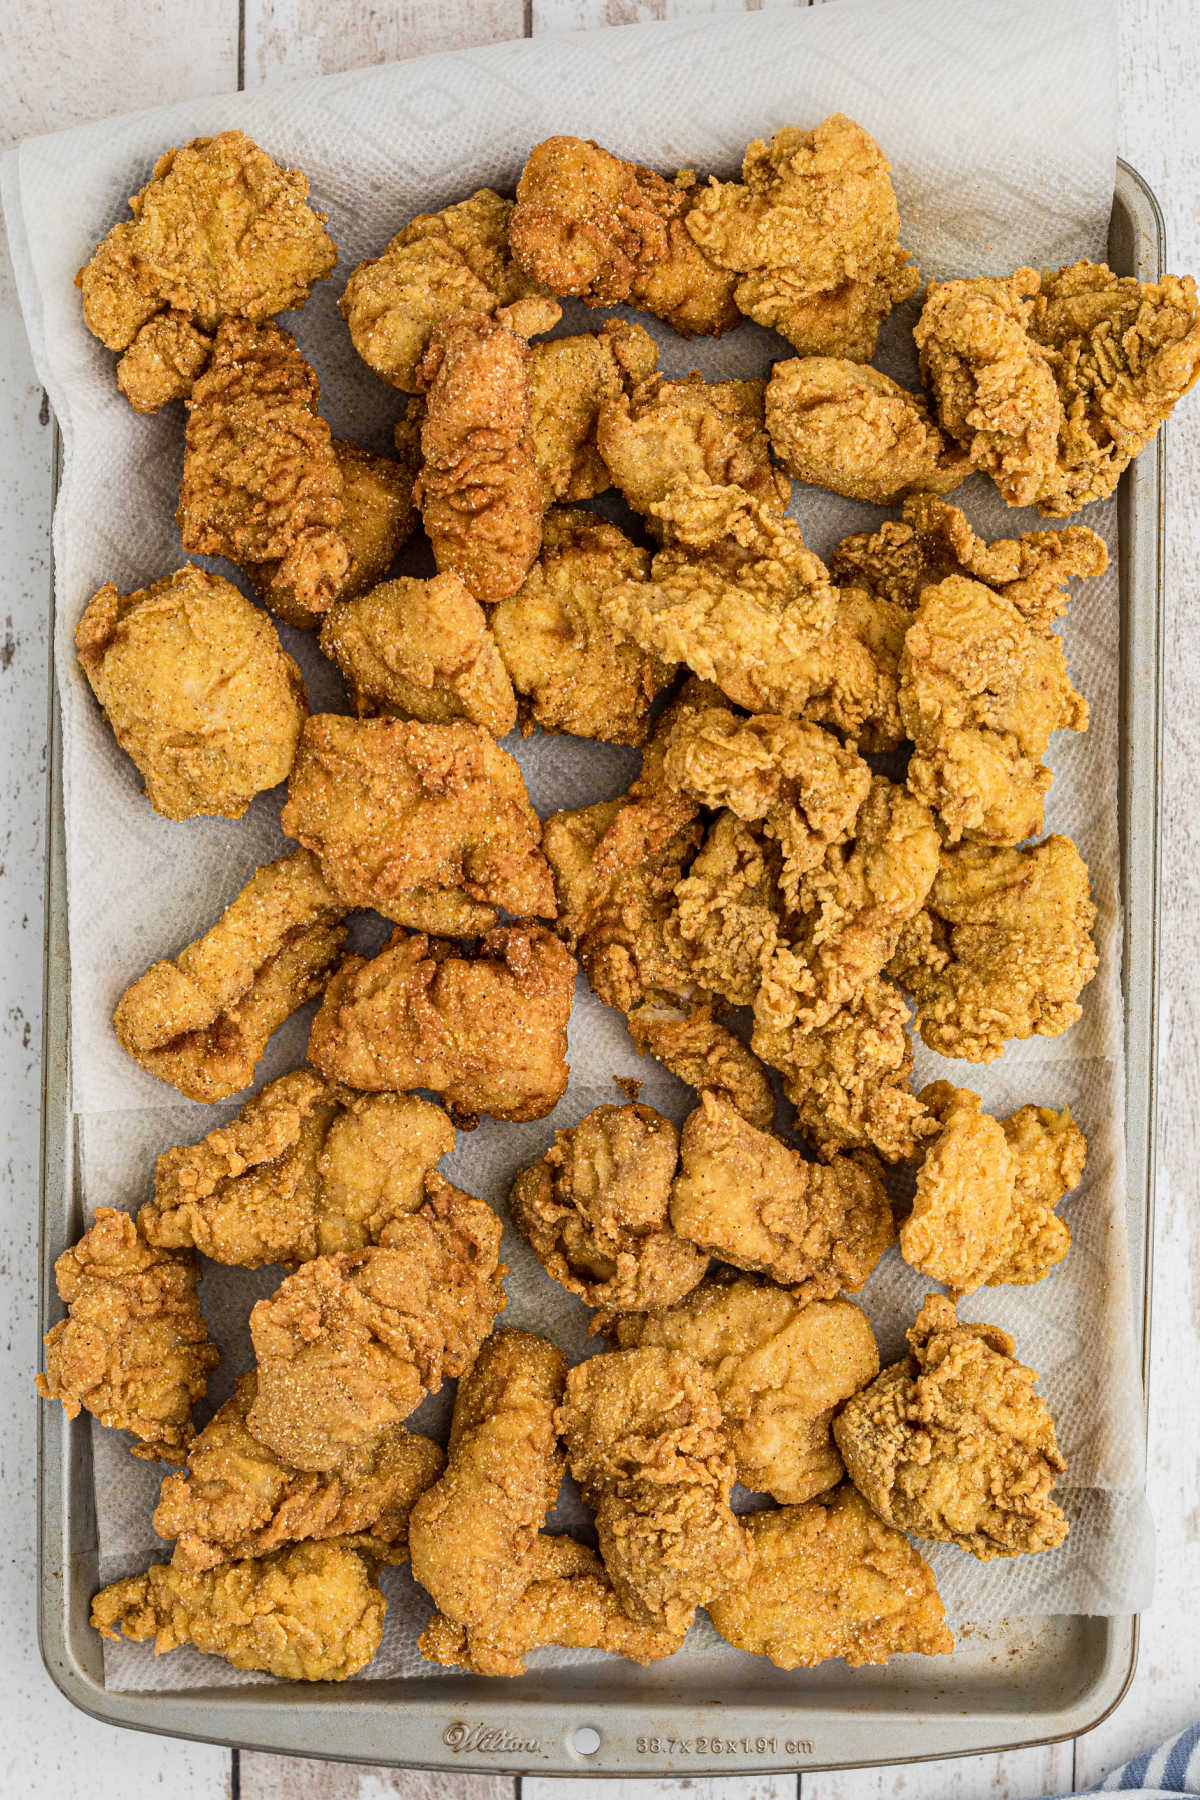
981	692
780	1367
474	1534
749	1198
351	1344
646	1443
812	235
311	1612
983	1212
236	1498
570	379
133	1349
1002	949
1054	382
442	263
953	1444
414	649
831	1580
573	672
378	517
484	1027
219	231
609	232
306	1169
261	481
666	432
197	689
202	1020
480	491
595	1212
568	1600
849	428
430	825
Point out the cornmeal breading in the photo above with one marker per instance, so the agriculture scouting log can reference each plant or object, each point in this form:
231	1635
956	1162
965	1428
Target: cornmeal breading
475	1534
236	1498
351	1344
608	231
646	1443
570	379
133	1349
197	690
749	1198
779	1367
703	1053
312	1612
843	426
163	361
725	925
428	824
812	234
953	1444
1002	949
595	1212
305	1169
705	432
202	1020
422	650
831	1580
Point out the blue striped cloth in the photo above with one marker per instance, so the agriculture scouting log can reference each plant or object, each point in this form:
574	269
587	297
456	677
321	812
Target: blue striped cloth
1170	1768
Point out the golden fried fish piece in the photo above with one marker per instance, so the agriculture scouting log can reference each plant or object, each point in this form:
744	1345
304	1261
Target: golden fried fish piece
844	426
570	379
831	1580
202	1020
198	691
666	432
953	1444
133	1349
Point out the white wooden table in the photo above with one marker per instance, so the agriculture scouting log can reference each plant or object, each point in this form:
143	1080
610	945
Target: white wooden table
70	60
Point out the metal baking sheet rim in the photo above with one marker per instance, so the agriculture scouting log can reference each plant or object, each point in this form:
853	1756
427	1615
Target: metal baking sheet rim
472	1725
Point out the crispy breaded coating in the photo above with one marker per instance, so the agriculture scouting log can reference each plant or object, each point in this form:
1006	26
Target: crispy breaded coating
850	1080
312	1612
703	1053
351	1344
852	909
133	1350
812	232
197	689
428	824
480	491
484	1027
737	596
613	232
414	649
983	1212
474	1535
219	231
570	379
569	1600
726	920
1054	382
1003	948
305	1169
779	1368
573	672
935	539
749	1198
595	1212
163	361
831	1580
378	516
953	1444
442	263
799	781
849	428
981	692
202	1020
237	1498
646	1443
706	432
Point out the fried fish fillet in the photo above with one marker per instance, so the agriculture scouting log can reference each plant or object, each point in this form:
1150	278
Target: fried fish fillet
843	426
710	432
570	380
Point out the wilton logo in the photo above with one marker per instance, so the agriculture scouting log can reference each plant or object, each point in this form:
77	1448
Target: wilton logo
488	1740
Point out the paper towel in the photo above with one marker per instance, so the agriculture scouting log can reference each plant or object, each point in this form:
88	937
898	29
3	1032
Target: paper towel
999	120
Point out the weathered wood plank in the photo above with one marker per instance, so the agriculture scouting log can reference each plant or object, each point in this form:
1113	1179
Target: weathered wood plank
288	40
1020	1775
298	1778
717	1787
